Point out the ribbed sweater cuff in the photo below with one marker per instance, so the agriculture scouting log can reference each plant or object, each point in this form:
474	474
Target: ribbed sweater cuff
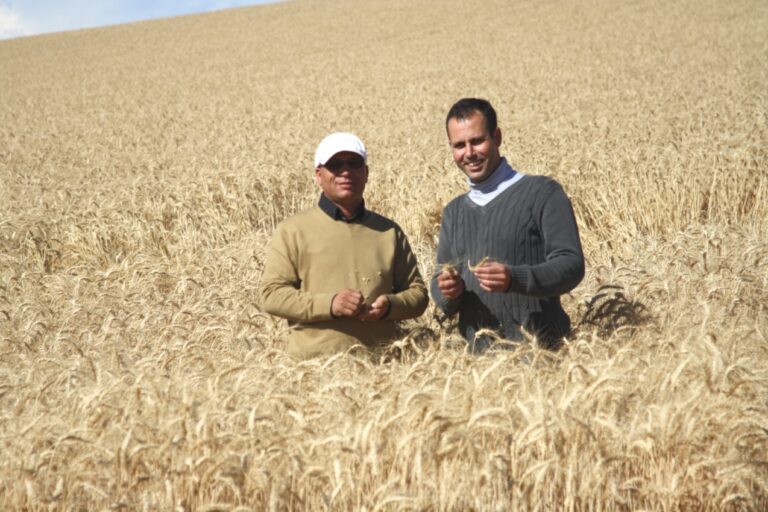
321	306
519	279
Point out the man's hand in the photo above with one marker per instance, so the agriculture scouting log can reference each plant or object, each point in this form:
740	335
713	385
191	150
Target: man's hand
451	284
377	309
347	303
493	276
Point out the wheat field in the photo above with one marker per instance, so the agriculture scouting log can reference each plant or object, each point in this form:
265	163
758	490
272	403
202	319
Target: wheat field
143	168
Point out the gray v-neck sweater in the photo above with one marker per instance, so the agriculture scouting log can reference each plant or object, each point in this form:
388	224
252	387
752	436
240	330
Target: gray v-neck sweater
530	227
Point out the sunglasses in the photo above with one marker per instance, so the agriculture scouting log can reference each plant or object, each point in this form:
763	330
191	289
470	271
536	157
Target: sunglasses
336	164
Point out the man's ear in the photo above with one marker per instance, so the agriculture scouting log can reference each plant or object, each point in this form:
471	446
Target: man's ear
317	175
497	136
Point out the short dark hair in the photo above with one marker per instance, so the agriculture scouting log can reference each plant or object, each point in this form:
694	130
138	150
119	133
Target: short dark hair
465	107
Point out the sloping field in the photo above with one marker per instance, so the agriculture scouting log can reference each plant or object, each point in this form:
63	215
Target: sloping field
143	168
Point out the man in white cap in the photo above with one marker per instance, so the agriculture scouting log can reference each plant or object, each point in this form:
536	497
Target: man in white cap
339	273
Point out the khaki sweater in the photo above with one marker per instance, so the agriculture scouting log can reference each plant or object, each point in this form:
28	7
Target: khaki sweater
311	257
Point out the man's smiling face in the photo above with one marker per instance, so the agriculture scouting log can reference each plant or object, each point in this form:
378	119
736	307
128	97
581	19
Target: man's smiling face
475	150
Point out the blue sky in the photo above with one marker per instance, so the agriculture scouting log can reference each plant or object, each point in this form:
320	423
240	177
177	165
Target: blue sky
30	17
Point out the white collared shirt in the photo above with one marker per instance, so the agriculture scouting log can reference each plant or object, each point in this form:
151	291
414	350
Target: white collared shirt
502	178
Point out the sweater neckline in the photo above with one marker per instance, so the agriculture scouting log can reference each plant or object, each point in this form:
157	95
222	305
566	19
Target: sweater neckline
499	181
501	198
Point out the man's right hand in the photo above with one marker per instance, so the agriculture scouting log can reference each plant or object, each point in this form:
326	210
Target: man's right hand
451	284
348	303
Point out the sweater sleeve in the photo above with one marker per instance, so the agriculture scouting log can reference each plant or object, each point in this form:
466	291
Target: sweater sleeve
445	254
410	298
280	284
563	266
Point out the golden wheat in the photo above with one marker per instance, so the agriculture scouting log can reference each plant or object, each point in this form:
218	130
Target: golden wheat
144	167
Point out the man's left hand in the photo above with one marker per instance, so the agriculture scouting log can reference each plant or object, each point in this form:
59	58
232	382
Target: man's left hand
377	309
493	276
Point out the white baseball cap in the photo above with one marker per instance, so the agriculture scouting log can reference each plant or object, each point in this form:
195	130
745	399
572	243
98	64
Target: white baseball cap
336	143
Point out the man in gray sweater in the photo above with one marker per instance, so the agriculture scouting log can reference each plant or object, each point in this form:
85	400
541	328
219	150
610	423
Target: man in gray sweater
509	247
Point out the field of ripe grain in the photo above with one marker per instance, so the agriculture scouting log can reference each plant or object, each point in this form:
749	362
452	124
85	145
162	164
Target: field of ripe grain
144	167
